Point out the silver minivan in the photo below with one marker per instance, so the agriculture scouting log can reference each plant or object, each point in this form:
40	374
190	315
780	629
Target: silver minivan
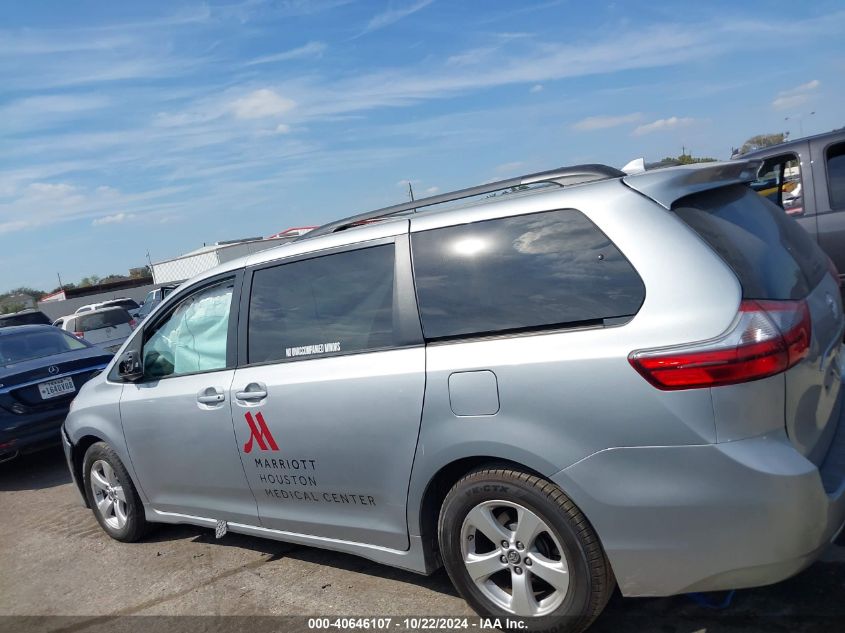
585	380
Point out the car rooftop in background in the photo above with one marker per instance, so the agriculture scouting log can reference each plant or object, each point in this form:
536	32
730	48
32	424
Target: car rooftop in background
121	302
29	316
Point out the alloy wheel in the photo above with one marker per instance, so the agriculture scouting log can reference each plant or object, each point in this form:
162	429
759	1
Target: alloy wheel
109	494
514	558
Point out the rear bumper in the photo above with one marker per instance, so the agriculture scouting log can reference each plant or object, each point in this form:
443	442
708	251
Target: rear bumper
31	432
712	517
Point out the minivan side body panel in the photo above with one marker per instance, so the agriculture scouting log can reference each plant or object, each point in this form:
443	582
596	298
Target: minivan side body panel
344	425
544	420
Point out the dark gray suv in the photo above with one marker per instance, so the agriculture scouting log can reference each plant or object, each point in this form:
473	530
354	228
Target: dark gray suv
806	177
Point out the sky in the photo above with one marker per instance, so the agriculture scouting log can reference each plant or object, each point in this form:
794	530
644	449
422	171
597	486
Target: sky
154	127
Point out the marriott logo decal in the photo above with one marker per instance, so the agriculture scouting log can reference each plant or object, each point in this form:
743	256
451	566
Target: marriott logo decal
258	432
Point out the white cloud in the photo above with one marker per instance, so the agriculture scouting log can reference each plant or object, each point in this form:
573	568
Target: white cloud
312	50
393	15
39	203
51	190
428	191
58	103
662	125
216	145
507	168
604	122
116	218
536	88
471	56
789	102
797	96
50	110
526	61
810	85
261	104
12	226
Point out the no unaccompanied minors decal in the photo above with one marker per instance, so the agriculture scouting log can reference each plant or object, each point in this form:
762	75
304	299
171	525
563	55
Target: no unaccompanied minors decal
308	350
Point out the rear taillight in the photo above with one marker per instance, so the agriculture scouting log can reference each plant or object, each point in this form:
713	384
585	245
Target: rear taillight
78	334
768	337
132	323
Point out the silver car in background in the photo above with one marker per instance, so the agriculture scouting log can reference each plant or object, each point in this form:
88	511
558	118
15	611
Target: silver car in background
593	380
107	328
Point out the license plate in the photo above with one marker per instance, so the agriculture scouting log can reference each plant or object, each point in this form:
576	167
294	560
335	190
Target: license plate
56	388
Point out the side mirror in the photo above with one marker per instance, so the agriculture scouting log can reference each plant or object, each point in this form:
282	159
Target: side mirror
129	366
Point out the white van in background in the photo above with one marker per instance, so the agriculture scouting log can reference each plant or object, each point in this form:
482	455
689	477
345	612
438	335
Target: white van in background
106	327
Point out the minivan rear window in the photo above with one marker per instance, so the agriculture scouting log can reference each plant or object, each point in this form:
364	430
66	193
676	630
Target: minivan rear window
98	320
771	255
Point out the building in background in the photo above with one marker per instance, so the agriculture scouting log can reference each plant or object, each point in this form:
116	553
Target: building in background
66	301
190	264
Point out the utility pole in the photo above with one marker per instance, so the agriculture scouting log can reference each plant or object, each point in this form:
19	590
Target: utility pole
800	118
411	190
61	287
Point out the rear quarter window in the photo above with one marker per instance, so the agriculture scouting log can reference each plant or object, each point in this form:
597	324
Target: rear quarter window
541	270
771	255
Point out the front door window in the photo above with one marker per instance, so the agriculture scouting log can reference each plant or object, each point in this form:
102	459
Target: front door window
193	338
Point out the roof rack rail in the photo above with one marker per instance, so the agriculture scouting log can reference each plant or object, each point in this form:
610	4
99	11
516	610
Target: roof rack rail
563	176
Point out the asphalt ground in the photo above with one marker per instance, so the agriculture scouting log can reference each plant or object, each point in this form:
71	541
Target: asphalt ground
60	572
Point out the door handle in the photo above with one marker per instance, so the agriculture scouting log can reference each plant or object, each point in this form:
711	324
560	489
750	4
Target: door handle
252	392
211	395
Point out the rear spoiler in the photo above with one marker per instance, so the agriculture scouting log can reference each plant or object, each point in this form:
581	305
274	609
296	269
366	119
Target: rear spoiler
665	186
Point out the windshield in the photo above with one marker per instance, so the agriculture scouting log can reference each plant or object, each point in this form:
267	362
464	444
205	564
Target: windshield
16	348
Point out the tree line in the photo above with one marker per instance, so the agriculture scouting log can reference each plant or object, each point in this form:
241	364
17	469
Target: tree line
10	301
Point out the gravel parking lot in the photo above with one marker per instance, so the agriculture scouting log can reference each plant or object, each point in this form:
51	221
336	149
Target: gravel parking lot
58	564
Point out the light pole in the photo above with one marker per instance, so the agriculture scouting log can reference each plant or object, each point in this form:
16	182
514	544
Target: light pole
800	118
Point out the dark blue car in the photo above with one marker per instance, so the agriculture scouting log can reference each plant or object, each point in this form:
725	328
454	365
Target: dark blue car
42	368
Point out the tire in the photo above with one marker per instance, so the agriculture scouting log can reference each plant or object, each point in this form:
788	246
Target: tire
558	579
112	495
